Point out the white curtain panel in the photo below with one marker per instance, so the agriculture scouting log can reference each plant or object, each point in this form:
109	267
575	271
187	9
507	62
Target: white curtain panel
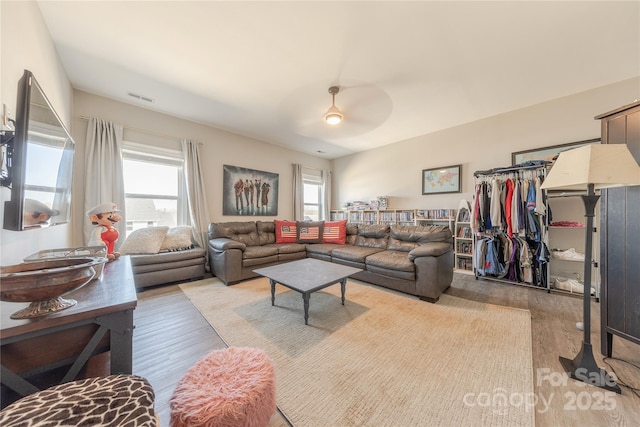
326	195
104	175
196	193
298	200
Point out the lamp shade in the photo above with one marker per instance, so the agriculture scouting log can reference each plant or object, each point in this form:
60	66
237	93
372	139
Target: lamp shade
603	165
333	115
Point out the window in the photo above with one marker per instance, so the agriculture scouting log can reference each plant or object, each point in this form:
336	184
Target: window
312	196
154	187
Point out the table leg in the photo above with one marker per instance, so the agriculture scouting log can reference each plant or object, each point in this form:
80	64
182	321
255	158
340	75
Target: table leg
120	326
16	383
273	291
343	286
305	299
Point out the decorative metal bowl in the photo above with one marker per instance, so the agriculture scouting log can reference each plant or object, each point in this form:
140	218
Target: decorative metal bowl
67	253
44	282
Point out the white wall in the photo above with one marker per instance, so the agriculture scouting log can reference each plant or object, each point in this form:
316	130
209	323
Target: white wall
218	148
396	170
26	44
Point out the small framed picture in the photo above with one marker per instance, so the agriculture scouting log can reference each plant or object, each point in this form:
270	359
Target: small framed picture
442	180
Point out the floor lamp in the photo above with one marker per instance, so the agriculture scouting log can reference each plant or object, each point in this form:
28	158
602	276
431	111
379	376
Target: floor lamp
591	168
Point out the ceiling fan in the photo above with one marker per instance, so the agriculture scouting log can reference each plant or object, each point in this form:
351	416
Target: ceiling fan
363	107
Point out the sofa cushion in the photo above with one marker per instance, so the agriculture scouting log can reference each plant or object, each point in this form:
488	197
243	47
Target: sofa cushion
421	234
244	232
285	231
335	232
354	253
285	257
309	231
158	277
323	248
146	240
396	274
259	252
167	257
352	233
401	245
266	232
177	238
259	255
288	248
373	235
254	262
392	260
406	237
168	265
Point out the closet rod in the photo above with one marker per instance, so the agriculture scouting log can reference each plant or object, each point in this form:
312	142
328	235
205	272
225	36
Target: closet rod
150	132
498	171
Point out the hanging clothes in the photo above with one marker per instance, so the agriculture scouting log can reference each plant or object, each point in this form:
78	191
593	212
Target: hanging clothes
480	256
496	208
509	221
508	208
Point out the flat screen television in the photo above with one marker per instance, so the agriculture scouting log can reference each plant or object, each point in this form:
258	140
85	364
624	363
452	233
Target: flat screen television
41	163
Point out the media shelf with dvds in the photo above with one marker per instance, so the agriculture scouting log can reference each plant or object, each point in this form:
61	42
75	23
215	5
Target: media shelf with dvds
395	216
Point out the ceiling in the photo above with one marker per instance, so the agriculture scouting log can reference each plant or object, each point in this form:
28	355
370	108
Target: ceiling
262	69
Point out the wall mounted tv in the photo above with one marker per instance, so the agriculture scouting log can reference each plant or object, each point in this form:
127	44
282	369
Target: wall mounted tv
41	163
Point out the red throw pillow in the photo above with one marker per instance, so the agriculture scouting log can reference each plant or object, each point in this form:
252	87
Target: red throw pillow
285	231
335	232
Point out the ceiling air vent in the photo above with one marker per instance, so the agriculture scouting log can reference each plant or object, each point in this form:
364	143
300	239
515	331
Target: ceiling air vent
140	97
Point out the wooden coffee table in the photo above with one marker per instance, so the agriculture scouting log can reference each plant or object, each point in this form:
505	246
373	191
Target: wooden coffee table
306	276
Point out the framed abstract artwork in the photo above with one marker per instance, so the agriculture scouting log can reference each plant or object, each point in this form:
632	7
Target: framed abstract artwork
441	180
249	192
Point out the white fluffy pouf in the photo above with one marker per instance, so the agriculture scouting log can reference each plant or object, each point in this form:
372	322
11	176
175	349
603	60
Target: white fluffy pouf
230	387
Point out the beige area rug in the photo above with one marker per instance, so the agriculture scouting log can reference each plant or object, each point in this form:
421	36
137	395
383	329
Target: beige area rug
382	359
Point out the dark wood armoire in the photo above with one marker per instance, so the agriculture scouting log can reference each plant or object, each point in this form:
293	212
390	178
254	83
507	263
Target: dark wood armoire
620	237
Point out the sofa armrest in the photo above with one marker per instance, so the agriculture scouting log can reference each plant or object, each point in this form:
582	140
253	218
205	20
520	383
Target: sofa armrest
434	275
226	264
430	249
223	244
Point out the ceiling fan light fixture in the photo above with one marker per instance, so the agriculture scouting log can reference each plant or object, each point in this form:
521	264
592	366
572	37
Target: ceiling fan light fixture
333	116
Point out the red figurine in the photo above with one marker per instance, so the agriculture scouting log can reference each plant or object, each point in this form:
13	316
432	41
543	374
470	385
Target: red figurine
104	217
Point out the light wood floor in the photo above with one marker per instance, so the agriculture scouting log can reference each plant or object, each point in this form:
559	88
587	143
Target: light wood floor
170	335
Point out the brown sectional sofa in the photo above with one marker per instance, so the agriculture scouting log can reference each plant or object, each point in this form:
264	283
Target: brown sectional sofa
413	259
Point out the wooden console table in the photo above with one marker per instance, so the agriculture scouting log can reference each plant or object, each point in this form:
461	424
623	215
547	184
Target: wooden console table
101	322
